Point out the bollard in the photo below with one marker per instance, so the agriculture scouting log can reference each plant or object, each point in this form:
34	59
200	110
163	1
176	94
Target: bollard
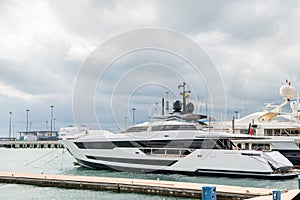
298	181
209	193
276	195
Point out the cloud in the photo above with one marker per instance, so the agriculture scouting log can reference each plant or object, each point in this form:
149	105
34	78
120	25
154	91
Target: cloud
253	44
10	91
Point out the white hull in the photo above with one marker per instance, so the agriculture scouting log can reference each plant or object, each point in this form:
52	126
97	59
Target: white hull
196	161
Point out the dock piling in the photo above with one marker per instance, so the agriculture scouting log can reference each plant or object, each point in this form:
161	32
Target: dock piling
209	193
298	181
276	195
118	188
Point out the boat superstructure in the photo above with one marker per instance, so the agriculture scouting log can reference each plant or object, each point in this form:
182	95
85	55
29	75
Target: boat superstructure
271	121
281	130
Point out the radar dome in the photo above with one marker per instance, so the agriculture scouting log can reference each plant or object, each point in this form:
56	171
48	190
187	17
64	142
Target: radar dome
177	106
190	108
287	91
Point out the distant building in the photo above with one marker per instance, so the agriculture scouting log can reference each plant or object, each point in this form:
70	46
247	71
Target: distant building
38	135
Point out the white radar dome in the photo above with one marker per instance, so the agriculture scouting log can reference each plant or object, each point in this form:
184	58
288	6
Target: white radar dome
287	91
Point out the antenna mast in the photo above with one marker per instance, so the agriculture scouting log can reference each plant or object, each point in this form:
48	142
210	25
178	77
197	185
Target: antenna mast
185	95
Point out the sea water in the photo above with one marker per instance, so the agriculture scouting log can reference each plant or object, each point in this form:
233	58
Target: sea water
59	161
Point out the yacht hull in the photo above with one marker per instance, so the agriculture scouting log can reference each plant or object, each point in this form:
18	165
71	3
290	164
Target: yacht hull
207	162
199	172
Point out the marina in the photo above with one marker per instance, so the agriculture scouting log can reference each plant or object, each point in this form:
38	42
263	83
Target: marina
151	100
172	143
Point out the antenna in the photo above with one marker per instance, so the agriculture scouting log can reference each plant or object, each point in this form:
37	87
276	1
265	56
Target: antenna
162	106
243	106
206	100
167	102
185	95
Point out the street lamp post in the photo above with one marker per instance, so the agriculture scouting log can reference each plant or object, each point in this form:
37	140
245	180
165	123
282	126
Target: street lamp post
27	111
125	119
54	124
9	126
51	119
133	116
236	114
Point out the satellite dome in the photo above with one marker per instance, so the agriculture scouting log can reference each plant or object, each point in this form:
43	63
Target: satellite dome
177	106
190	108
287	91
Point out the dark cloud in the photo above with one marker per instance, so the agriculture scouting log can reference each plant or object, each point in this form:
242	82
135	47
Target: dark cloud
253	44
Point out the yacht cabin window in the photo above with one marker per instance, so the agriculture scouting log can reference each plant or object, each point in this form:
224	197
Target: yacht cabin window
244	131
173	127
137	129
261	147
246	145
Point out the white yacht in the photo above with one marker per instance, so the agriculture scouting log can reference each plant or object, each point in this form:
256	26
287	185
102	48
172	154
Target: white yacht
271	121
175	147
71	132
175	143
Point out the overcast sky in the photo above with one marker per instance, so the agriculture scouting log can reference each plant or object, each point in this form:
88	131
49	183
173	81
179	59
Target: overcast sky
254	45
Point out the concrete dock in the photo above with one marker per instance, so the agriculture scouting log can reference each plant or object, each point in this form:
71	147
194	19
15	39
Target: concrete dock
289	195
156	187
31	144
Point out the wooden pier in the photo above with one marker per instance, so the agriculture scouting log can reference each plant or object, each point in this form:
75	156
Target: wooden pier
289	195
31	144
155	187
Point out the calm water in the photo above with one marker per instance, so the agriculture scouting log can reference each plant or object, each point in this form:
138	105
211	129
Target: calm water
58	161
